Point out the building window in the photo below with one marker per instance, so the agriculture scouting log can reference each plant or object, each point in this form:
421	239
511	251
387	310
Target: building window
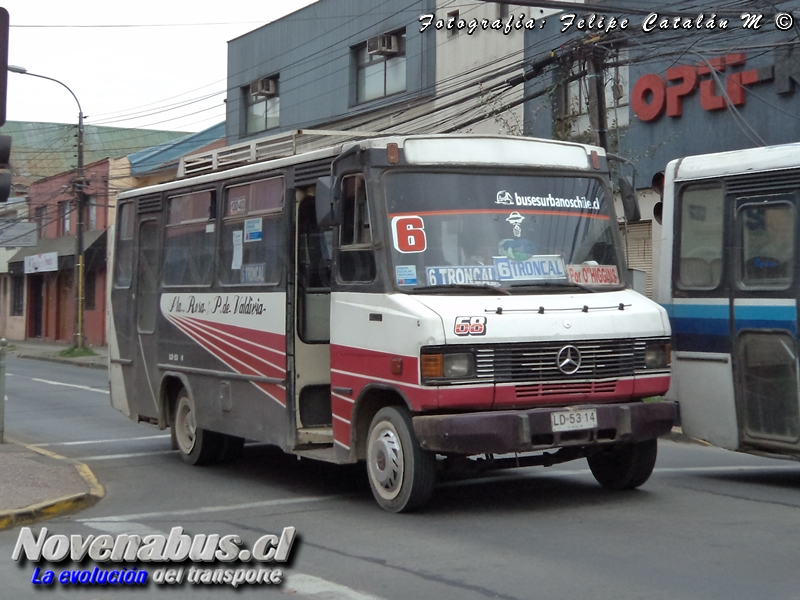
17	295
64	212
453	18
262	105
41	220
89	289
381	67
91	207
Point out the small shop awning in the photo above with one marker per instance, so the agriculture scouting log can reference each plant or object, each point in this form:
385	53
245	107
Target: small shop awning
94	249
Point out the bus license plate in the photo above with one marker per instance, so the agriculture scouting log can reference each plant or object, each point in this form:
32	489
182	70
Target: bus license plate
571	420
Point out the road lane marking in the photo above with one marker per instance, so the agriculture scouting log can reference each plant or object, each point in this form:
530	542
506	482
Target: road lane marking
107	441
129	455
71	385
210	509
295	583
308	585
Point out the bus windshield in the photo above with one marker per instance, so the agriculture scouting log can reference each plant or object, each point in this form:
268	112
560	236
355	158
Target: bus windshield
501	230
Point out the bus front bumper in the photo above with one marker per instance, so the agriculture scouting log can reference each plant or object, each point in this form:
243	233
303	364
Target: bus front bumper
501	432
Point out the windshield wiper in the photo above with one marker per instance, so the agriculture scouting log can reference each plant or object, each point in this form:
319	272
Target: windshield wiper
462	286
567	285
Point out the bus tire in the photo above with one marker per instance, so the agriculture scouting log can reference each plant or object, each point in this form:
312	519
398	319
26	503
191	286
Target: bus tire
196	446
401	474
624	466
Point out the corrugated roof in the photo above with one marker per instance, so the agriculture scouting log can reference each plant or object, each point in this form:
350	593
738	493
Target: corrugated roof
41	150
159	157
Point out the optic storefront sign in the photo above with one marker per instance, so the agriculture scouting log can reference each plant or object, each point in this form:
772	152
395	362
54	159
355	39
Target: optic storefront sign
125	558
653	95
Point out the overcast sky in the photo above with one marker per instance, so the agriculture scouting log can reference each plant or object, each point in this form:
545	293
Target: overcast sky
157	64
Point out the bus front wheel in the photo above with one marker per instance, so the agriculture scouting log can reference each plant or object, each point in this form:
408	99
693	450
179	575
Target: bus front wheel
196	445
401	474
624	466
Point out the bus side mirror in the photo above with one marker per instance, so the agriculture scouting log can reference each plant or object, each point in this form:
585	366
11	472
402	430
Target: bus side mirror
630	203
323	199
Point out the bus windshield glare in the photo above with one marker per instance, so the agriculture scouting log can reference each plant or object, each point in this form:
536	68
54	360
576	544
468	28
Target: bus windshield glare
500	230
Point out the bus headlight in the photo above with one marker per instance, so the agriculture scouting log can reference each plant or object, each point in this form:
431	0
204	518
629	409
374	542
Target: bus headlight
456	365
657	354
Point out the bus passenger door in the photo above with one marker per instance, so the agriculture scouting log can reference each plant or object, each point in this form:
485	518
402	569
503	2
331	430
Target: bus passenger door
700	315
312	331
764	331
145	355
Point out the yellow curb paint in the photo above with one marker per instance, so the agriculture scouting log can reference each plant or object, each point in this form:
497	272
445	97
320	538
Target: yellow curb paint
54	508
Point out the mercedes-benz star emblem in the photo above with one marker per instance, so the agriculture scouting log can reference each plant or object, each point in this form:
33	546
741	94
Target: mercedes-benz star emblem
568	360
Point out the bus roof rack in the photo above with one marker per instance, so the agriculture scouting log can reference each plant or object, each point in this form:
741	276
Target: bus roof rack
279	145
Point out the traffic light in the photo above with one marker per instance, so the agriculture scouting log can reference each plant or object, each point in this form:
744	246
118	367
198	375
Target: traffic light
3	63
5	167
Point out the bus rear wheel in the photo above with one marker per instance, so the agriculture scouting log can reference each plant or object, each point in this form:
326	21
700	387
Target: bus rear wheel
400	473
197	446
624	466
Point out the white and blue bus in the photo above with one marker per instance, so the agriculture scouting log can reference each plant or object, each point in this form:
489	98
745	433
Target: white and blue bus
730	283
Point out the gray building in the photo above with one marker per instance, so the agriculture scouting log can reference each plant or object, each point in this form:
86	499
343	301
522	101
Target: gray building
333	64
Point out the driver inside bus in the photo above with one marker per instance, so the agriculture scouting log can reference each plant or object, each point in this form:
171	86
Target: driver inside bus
772	253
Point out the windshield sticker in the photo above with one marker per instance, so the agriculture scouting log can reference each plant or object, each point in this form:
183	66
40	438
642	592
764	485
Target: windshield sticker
506	198
254	273
593	274
406	274
236	262
461	275
408	233
237	206
515	219
252	230
536	268
470	326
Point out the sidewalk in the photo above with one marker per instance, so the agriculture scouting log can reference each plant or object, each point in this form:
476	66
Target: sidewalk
36	484
52	352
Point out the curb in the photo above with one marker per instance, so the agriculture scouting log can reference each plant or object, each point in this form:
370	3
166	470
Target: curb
66	361
53	508
677	435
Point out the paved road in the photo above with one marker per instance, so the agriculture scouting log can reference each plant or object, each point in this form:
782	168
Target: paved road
708	524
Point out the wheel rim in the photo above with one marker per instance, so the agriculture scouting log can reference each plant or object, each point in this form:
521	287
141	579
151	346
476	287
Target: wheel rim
185	426
385	461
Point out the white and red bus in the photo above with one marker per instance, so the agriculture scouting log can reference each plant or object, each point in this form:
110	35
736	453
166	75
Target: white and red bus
404	301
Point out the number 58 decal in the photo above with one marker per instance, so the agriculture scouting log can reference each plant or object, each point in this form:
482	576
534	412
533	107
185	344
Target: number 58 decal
470	326
409	234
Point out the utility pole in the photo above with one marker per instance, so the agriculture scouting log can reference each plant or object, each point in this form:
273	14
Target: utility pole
80	341
598	114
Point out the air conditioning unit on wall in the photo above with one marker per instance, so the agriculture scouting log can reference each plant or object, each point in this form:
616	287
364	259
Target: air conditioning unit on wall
264	87
383	45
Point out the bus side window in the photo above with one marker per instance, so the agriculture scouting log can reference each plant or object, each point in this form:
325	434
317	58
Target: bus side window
123	260
356	262
701	226
767	244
